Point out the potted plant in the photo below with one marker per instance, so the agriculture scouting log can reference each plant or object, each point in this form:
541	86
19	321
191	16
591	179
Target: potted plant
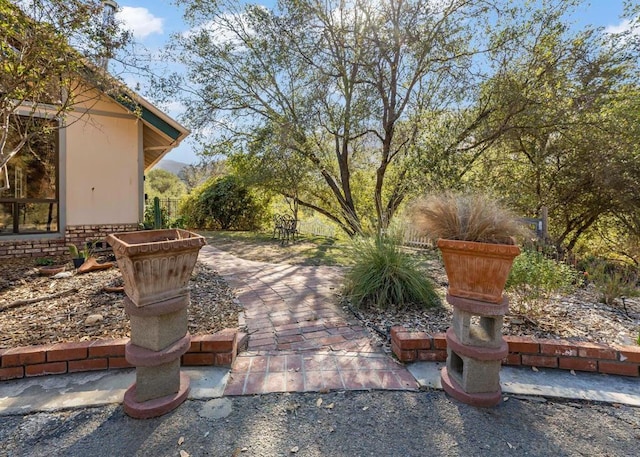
476	237
80	256
47	267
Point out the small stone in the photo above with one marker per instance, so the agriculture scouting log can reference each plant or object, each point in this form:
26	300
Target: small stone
93	319
62	275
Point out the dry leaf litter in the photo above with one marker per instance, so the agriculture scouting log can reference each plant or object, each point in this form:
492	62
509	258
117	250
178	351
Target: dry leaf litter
88	312
577	317
91	313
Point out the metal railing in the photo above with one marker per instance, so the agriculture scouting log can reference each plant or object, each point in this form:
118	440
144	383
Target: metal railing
316	228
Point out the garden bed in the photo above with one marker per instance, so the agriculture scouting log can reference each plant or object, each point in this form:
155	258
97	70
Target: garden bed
580	316
79	308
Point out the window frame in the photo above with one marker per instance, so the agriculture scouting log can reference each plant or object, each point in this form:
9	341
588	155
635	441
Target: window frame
20	202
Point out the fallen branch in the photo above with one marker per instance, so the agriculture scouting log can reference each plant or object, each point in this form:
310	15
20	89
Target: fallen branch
28	301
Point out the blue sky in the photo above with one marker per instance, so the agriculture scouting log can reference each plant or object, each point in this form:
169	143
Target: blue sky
153	21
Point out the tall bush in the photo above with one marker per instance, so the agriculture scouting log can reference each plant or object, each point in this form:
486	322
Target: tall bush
223	203
383	276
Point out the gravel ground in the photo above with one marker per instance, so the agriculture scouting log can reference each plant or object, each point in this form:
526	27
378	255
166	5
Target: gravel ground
345	424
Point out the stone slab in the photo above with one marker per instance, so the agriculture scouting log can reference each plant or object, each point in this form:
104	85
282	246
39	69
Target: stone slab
547	383
50	393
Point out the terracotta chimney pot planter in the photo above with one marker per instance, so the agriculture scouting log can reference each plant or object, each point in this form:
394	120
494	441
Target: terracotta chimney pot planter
156	266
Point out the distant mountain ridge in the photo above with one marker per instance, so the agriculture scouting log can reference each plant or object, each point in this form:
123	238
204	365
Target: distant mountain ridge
172	166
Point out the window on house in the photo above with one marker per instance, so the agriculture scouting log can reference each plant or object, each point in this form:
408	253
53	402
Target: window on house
29	195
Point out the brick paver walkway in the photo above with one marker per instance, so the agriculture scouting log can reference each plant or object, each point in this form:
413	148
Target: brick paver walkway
300	339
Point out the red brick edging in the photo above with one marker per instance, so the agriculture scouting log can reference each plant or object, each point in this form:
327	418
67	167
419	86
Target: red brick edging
218	349
528	351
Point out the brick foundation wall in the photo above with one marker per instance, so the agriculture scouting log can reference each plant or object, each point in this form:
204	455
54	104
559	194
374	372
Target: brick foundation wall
219	349
75	234
527	351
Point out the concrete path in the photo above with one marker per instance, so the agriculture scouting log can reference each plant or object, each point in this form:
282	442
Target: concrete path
547	383
90	389
300	339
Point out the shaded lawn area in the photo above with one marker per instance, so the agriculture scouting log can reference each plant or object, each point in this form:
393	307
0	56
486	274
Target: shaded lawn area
261	246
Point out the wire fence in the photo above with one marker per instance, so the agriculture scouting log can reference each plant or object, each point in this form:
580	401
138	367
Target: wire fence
168	212
316	228
411	237
170	207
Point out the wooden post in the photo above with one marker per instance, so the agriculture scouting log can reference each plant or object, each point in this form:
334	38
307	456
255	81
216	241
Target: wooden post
544	216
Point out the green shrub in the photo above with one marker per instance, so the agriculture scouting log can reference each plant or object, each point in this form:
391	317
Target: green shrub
383	276
612	281
223	203
534	278
44	262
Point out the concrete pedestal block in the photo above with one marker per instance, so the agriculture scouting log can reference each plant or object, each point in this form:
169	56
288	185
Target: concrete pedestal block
473	376
475	349
453	388
158	332
157	406
475	368
474	330
156	382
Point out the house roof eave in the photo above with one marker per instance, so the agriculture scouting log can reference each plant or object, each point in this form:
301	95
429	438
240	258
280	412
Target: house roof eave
161	133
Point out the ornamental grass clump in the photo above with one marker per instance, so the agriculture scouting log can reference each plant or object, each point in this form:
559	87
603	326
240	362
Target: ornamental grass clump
383	276
465	217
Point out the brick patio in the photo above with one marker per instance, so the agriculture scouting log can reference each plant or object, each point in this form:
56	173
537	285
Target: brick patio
300	339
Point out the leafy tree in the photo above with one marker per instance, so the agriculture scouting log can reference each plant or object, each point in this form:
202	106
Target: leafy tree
49	51
339	92
194	175
572	143
224	203
163	184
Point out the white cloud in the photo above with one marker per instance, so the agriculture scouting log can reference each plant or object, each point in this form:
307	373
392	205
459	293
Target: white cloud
173	109
229	28
624	26
140	21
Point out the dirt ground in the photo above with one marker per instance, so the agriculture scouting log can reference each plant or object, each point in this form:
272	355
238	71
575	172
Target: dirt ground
36	309
79	308
346	424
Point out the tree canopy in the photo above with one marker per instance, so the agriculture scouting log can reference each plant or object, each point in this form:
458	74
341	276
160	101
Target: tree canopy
340	90
50	50
572	146
352	108
163	184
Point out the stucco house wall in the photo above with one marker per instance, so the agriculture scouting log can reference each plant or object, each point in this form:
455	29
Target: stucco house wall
103	167
104	151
